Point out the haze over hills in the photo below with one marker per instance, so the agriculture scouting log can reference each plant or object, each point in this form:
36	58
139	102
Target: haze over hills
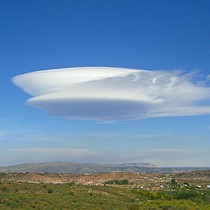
78	168
72	167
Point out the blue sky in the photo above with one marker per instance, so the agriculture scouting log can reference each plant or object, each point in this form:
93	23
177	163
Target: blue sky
152	35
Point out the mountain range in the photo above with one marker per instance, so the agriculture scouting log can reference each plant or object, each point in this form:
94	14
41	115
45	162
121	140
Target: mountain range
82	168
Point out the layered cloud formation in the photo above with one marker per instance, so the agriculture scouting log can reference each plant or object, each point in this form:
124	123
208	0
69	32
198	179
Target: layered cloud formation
109	94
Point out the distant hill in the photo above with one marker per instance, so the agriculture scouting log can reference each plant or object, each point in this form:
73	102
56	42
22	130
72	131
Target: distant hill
78	168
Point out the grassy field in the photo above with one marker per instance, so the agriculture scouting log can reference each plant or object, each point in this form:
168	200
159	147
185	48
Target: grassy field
14	195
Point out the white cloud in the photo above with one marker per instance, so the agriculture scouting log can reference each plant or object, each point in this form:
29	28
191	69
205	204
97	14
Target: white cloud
109	94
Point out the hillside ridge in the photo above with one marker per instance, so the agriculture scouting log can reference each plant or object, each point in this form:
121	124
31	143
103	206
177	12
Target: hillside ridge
82	168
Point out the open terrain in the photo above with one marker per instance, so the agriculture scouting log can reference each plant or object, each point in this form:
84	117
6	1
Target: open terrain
115	190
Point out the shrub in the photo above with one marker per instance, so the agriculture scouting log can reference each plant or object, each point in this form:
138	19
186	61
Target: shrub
117	182
4	189
50	191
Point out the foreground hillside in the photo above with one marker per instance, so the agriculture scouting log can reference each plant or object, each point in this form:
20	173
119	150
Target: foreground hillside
123	191
70	196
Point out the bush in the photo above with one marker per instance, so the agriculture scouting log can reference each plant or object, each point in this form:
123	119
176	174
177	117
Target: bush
134	207
50	191
71	184
4	189
117	182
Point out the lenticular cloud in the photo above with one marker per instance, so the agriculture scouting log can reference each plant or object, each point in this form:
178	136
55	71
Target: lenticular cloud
105	93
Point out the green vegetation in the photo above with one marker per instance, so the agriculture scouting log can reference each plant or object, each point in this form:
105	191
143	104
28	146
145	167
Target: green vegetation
179	199
114	195
117	182
15	195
